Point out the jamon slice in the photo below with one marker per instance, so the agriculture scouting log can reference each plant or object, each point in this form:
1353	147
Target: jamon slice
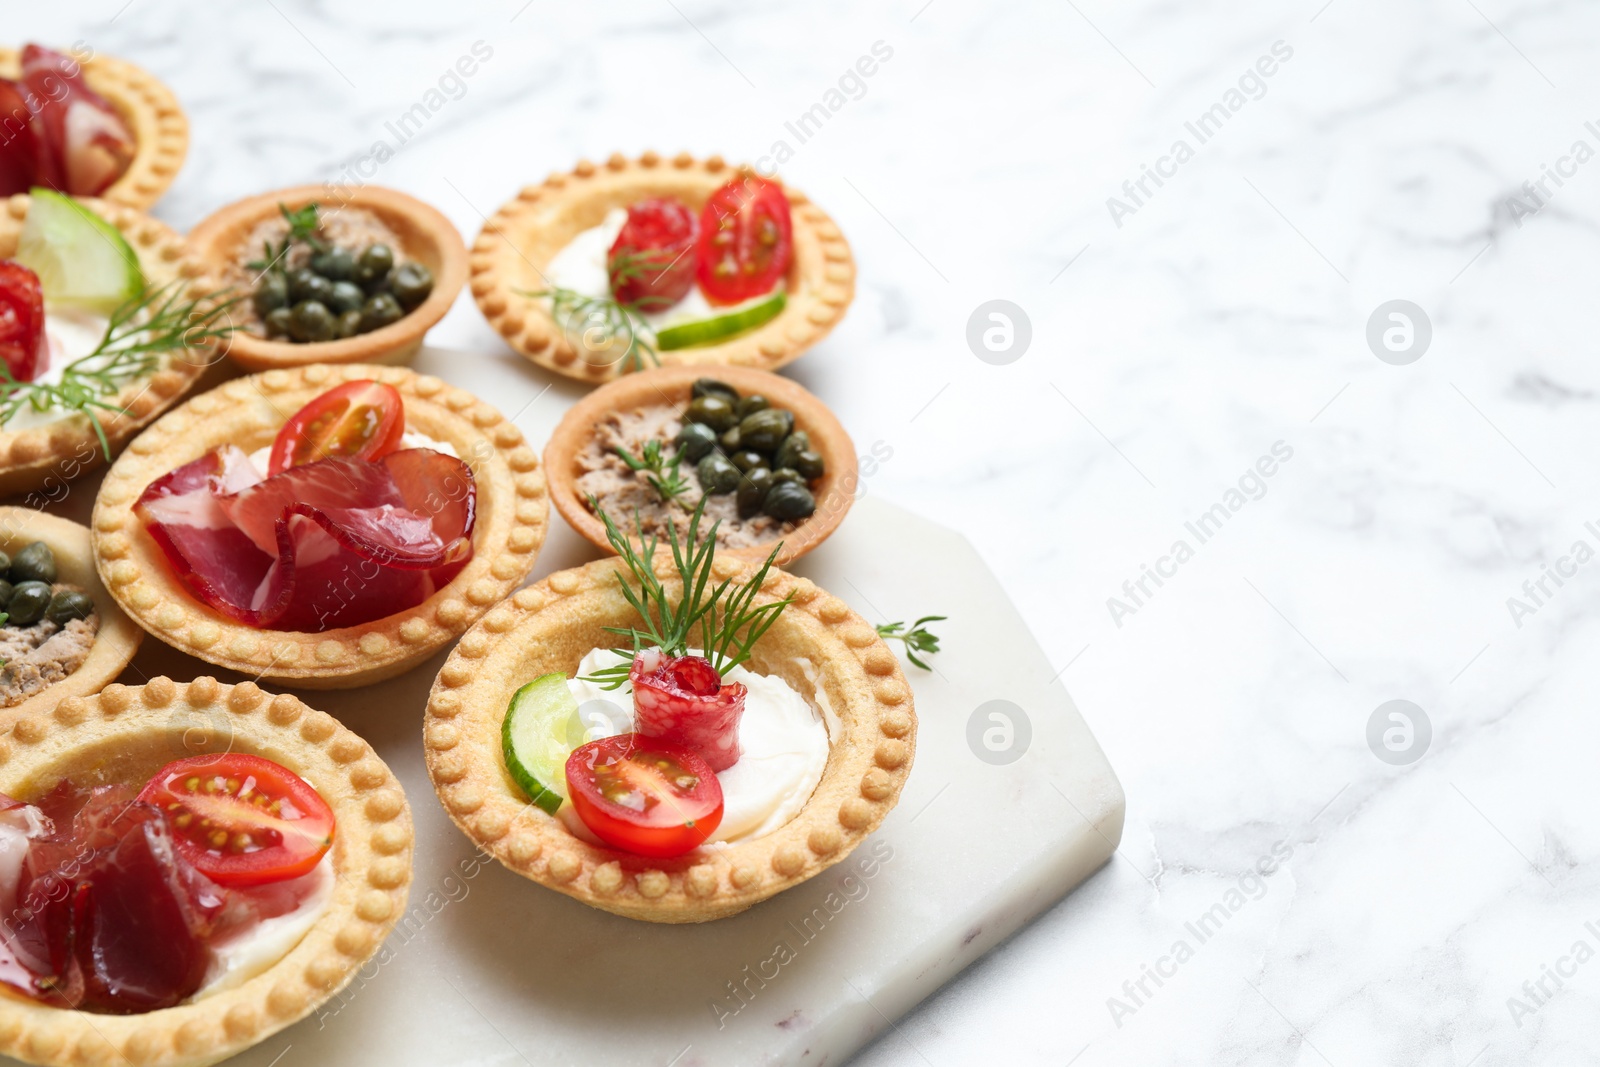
682	699
20	146
89	146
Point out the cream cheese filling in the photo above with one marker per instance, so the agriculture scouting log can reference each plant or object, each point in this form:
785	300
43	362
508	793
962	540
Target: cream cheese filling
262	944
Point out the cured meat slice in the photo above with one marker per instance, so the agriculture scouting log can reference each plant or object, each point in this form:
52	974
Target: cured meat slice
88	144
682	699
20	146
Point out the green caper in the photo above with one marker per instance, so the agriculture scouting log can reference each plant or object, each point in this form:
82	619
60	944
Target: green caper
377	259
36	563
6	589
5	563
709	386
715	411
730	441
277	322
695	441
765	430
753	489
789	501
809	464
379	311
348	324
28	603
307	284
792	446
717	475
345	296
272	292
745	459
311	321
66	606
788	474
411	283
751	404
336	264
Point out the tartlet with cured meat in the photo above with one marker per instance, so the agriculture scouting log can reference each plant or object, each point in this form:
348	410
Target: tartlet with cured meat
327	527
190	868
616	267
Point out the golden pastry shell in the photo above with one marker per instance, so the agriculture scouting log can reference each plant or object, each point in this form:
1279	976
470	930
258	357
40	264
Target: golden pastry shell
835	492
128	732
550	626
521	238
117	639
160	130
41	460
512	517
426	236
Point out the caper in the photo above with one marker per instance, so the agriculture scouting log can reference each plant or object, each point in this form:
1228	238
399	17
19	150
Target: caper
28	603
66	606
751	404
378	259
348	324
5	563
765	430
789	501
745	459
272	292
36	563
809	464
336	264
345	296
709	386
730	441
307	284
753	489
277	322
792	446
717	475
715	411
411	283
379	311
311	321
787	474
6	589
695	440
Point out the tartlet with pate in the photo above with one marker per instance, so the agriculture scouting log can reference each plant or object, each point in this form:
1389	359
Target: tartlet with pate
196	867
594	737
351	275
326	526
639	446
87	125
615	267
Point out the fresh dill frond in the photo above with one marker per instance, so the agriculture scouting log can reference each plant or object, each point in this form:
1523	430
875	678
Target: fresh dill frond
915	638
663	472
575	312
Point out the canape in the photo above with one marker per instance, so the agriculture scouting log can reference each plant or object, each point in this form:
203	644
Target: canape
87	125
601	734
636	263
334	275
655	443
195	867
106	324
326	526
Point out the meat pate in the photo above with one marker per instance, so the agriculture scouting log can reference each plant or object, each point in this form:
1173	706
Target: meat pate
44	653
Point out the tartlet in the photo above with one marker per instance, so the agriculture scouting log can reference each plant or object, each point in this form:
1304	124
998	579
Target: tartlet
512	517
550	626
126	733
835	492
520	239
46	458
427	236
160	129
117	639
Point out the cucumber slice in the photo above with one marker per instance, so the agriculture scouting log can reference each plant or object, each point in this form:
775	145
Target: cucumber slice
719	327
80	258
540	730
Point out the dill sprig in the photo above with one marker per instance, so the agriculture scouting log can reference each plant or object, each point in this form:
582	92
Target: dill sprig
663	472
303	226
138	332
725	615
916	638
613	320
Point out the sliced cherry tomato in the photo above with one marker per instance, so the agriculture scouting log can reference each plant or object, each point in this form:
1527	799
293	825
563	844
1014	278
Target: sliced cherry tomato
651	263
745	240
23	343
242	819
646	796
357	420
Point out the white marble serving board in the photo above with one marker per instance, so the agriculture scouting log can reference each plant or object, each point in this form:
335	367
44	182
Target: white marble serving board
488	968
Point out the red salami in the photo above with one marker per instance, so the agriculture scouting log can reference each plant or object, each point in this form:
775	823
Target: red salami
681	699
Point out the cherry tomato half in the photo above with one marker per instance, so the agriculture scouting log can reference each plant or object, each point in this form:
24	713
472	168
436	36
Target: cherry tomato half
242	819
357	420
23	344
745	240
651	263
646	796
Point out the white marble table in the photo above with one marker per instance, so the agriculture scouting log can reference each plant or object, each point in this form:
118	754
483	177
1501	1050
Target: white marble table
1412	911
